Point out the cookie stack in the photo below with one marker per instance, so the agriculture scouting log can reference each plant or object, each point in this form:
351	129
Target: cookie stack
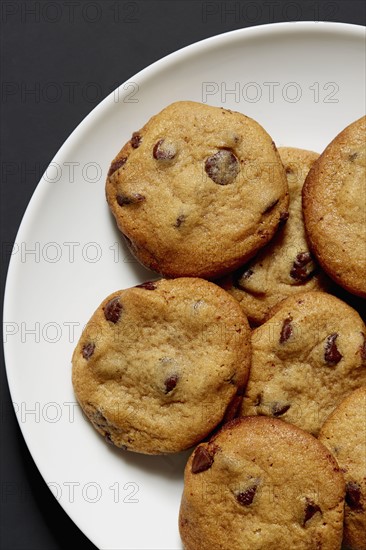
239	231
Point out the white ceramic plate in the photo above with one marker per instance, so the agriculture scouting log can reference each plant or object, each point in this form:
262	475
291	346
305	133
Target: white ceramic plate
303	82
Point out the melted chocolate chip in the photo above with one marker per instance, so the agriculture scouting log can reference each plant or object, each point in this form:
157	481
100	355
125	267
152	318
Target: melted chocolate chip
170	383
222	167
353	156
310	510
179	220
134	198
135	140
202	460
112	310
116	164
331	353
353	495
149	285
88	350
278	409
270	207
164	150
303	267
286	331
245	498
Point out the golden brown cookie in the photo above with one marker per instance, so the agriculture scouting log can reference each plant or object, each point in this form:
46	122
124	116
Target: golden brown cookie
198	190
158	366
262	484
344	434
285	266
334	202
306	358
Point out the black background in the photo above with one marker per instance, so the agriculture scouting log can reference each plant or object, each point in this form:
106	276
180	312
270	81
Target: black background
72	55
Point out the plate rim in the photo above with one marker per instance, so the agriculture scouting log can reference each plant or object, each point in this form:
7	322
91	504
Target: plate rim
41	189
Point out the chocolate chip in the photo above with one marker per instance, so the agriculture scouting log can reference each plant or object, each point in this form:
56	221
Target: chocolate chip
278	409
112	310
353	156
135	140
116	164
286	331
222	167
310	510
245	498
179	220
283	218
164	150
303	267
170	383
353	495
331	353
134	198
202	460
242	275
88	350
149	285
289	170
270	207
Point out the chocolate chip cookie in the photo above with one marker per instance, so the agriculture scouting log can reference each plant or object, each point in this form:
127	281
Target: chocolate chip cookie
262	484
198	190
159	366
285	266
335	209
306	358
344	434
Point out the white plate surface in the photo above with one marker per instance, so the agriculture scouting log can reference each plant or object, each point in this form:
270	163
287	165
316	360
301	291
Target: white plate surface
304	82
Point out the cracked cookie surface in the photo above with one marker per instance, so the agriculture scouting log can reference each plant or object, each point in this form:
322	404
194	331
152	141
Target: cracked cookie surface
344	434
159	366
262	484
198	190
306	358
335	209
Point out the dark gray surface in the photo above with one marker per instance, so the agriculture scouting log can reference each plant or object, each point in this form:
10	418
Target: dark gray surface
72	54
